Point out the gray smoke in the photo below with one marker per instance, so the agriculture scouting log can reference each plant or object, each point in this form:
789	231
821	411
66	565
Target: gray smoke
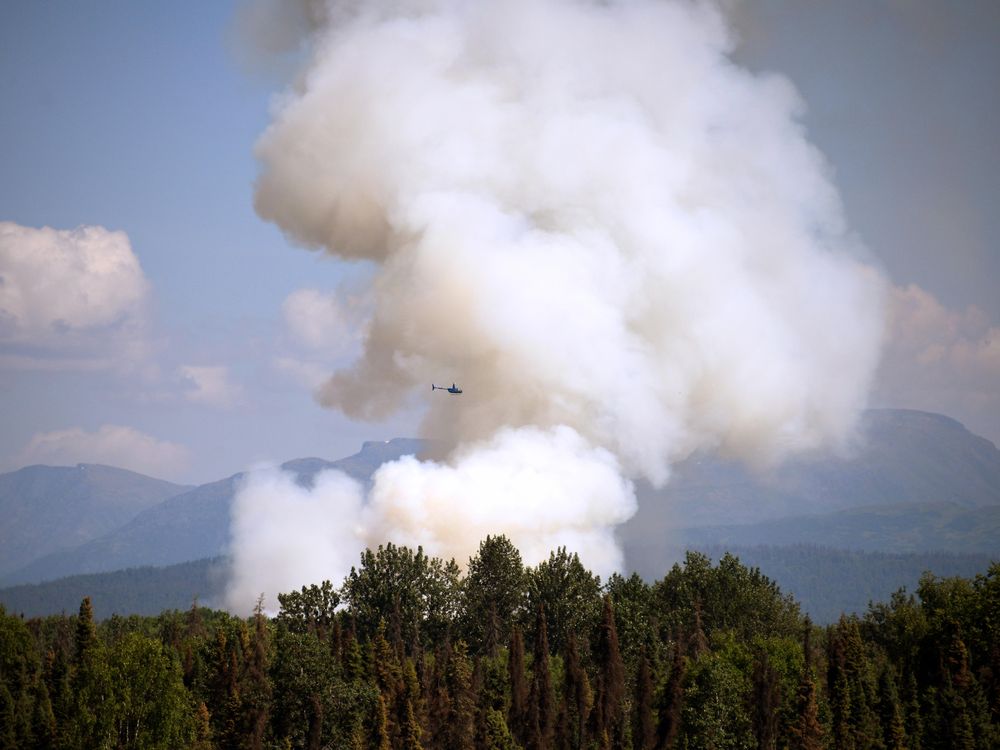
619	242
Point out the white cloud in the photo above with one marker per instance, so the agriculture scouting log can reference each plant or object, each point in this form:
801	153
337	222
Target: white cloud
323	322
114	445
211	386
941	359
307	374
69	296
323	331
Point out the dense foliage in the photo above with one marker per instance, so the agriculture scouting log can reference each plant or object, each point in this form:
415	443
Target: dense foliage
410	653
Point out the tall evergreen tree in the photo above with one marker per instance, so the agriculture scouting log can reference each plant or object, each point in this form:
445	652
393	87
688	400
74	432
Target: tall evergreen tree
541	700
670	702
255	687
517	714
807	732
766	702
91	689
577	701
644	731
893	727
460	721
610	693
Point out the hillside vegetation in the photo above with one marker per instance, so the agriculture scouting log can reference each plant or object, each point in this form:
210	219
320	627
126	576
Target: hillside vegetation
826	582
408	653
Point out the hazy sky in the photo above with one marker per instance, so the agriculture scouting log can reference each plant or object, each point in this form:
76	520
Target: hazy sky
183	336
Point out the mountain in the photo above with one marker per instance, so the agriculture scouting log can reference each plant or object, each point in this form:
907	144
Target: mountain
134	591
46	509
914	482
944	527
192	524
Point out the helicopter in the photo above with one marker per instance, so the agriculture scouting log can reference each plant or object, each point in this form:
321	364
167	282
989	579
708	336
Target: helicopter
454	388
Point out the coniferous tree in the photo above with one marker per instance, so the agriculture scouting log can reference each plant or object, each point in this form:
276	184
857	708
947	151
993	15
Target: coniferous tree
460	721
911	707
644	732
766	702
351	658
807	732
8	719
517	715
610	693
43	720
671	702
91	690
223	692
893	727
697	642
378	735
439	707
255	688
541	700
411	728
56	677
497	735
577	701
838	689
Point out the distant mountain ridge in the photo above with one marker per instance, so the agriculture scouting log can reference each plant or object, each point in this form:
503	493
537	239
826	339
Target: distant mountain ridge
48	508
192	524
919	483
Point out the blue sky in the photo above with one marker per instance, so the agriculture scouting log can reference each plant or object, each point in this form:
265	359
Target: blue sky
137	117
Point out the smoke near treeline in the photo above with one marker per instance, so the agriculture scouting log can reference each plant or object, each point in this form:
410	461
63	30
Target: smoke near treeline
619	242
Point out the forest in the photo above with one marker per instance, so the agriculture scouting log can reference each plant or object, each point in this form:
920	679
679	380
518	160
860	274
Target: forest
413	652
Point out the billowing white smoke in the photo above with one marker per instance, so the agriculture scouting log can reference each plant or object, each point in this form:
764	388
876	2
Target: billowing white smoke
616	240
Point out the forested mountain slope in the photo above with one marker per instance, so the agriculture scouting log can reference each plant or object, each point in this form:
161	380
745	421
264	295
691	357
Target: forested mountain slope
826	582
49	508
915	482
190	525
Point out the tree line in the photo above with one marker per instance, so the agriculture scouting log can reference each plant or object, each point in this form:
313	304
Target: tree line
411	653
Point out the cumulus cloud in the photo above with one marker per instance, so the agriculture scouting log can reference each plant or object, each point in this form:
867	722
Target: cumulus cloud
114	445
587	215
324	330
211	385
323	322
71	295
942	359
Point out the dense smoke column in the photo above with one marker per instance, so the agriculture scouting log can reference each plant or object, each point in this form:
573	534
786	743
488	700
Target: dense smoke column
617	240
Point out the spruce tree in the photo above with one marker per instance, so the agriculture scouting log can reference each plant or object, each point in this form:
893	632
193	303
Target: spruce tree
610	692
766	702
497	734
806	732
255	685
43	720
541	701
893	728
460	721
577	701
644	731
90	725
517	715
671	702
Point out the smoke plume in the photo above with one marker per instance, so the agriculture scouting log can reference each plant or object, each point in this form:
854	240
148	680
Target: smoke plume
617	241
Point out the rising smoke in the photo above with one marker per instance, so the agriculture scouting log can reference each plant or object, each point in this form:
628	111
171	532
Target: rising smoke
618	241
